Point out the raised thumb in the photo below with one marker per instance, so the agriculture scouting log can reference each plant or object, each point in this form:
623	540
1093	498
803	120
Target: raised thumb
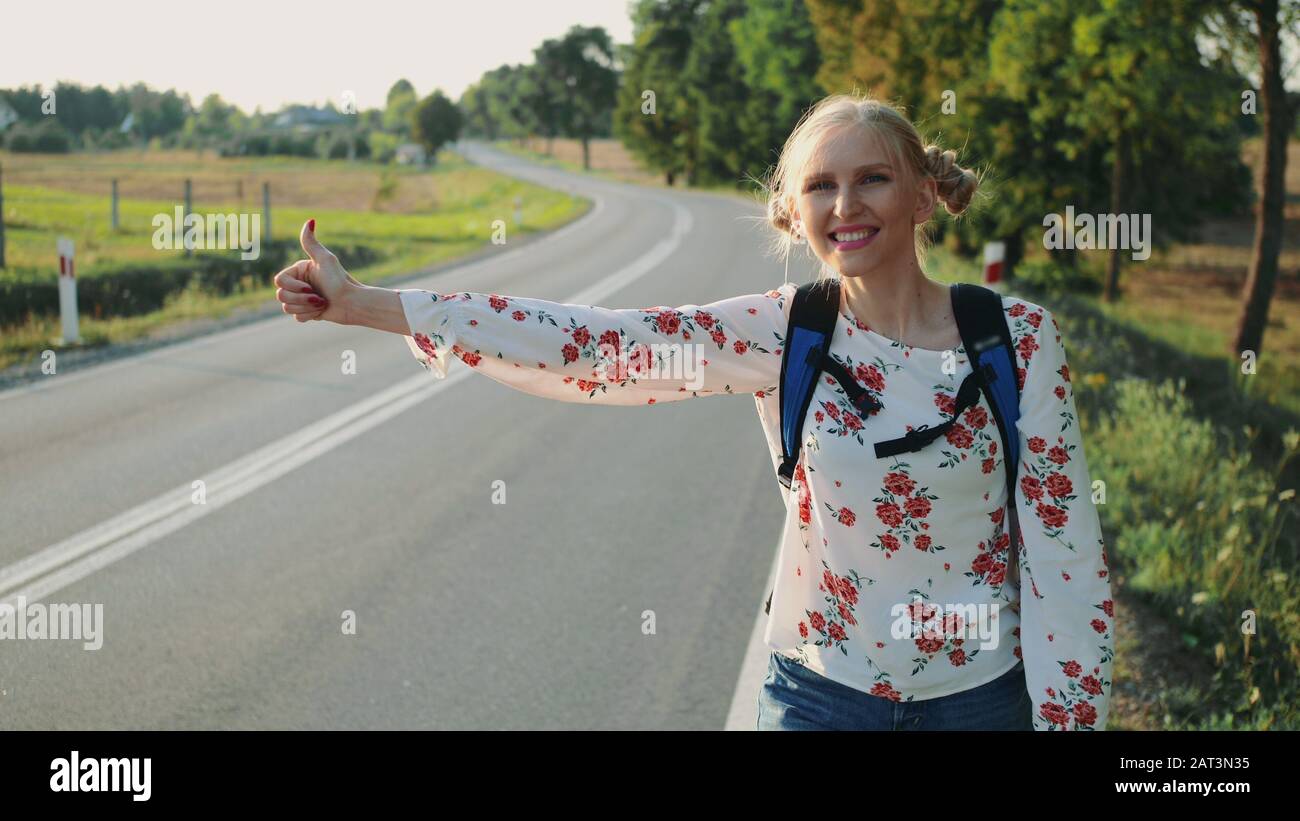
307	238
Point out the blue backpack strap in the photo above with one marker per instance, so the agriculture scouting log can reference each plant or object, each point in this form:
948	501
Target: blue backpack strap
987	338
813	314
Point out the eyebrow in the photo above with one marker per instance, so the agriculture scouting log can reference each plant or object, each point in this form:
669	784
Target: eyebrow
857	170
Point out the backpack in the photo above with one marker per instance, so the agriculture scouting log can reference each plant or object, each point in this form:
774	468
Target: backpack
986	338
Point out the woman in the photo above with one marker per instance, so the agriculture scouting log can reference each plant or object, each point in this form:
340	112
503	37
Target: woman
894	606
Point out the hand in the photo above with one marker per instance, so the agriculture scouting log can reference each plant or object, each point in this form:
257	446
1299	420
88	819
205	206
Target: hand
318	287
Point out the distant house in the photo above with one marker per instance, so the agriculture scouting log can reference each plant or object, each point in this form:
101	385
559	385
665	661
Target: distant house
410	154
305	119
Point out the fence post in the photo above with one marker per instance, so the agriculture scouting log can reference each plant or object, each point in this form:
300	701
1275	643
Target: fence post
185	219
68	292
116	222
266	210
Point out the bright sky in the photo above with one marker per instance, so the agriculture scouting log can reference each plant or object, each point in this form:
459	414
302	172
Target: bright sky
271	52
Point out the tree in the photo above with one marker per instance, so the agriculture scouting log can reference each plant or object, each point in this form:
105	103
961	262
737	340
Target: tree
435	121
1257	26
397	110
576	82
651	112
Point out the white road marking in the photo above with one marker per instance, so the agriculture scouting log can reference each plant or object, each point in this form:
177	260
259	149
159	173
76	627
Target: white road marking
59	565
743	714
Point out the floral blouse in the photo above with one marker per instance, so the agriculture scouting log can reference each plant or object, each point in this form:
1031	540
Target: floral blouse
895	575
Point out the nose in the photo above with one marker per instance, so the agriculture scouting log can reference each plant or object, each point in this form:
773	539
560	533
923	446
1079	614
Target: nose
846	203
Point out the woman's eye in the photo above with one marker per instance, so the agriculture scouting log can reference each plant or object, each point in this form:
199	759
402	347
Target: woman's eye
817	185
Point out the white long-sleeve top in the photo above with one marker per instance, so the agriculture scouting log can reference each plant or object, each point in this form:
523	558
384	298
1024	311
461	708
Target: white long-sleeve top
893	572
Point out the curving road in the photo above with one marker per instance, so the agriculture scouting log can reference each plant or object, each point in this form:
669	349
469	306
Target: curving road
373	493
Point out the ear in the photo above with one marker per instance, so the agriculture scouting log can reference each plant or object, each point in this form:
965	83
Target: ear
927	198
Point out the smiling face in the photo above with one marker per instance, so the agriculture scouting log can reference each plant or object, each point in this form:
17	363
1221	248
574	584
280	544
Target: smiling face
856	209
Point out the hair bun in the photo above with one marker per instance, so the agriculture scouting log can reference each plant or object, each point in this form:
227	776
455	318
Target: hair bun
956	185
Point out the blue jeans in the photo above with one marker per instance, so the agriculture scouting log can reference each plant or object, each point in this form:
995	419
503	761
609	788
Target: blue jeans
795	698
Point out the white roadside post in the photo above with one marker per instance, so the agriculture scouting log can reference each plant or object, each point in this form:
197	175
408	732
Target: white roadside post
994	257
68	291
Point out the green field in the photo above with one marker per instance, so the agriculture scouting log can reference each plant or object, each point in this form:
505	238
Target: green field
408	217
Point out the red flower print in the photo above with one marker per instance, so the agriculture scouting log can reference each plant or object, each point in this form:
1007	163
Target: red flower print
718	337
1017	310
1034	319
519	316
669	322
884	690
852	422
996	516
740	347
928	644
1058	485
997	574
988	465
923	542
820	417
1058	454
977	417
570	352
889	513
957	657
1072	668
846	517
870	376
1060	392
848	592
1054	713
471	359
1091	685
1026	347
836	631
945	403
918	507
899	484
1020	378
1098	625
497	303
832	410
846	613
426	345
1030	487
704	319
818	621
1108	607
1084	713
982	564
611	339
1037	444
805	509
1065	372
889	542
1052	516
803	630
581	336
959	436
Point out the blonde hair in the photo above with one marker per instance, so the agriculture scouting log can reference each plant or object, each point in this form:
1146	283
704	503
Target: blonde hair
914	160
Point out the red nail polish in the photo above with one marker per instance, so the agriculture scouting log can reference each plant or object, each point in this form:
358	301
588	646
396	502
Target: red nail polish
317	300
311	225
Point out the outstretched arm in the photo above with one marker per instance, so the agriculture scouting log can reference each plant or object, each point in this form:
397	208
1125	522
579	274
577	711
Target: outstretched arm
575	353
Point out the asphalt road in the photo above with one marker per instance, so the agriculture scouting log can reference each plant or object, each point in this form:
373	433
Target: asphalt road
372	493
